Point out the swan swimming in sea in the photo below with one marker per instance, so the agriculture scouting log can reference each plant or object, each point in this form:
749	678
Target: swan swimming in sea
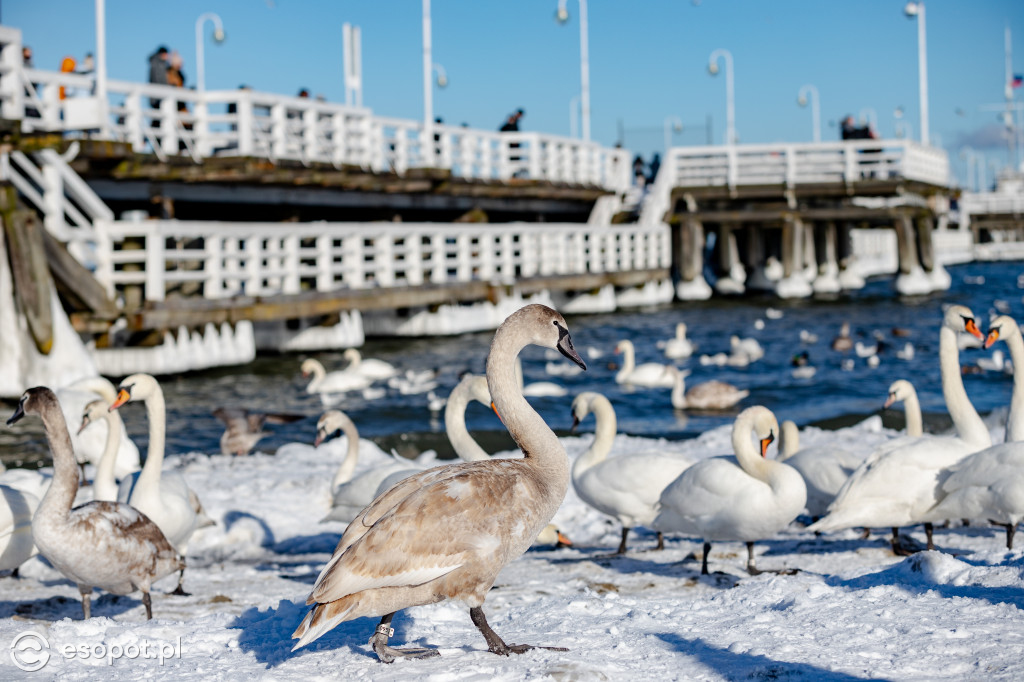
447	532
243	429
538	389
340	381
743	498
898	482
650	374
371	368
99	544
163	496
626	487
709	395
678	347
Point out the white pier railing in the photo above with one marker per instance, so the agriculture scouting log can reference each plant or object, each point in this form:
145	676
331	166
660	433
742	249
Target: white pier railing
221	260
790	165
168	121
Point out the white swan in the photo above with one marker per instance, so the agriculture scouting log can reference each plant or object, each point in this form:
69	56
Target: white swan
748	348
104	485
824	468
710	395
370	368
746	498
90	445
341	381
538	389
678	347
163	496
100	544
626	487
448	531
413	382
1005	327
898	482
651	374
903	390
349	493
16	510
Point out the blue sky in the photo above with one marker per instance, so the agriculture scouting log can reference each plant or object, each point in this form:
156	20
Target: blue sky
648	60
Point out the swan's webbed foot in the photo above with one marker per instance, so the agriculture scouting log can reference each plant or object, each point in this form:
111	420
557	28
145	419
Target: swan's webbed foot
388	654
904	545
494	643
180	589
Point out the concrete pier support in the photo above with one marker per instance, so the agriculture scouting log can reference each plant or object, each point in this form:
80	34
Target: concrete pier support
826	280
689	246
850	277
764	268
794	282
911	279
937	275
734	274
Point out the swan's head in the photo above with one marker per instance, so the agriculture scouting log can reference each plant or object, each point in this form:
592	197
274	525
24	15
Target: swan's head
959	318
542	326
622	345
330	423
310	366
550	535
761	421
352	355
94	411
34	401
135	387
901	389
681	330
1001	328
581	407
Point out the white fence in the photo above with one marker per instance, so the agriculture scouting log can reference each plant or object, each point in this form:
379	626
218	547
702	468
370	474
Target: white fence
260	259
170	121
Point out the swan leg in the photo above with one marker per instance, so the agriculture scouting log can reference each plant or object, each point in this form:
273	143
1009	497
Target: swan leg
180	589
661	541
704	559
928	531
148	603
494	643
622	543
387	654
86	606
752	568
1011	528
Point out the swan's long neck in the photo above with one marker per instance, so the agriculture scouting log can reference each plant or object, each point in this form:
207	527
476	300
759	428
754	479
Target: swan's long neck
348	465
912	408
60	495
318	372
789	441
156	413
679	391
455	426
1015	422
354	360
604	436
104	488
968	424
628	359
680	332
541	447
749	458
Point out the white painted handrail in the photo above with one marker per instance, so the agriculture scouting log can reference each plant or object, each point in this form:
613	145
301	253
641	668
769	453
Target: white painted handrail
260	259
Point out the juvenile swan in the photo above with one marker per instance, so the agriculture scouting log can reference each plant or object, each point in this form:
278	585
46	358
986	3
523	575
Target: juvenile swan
448	531
99	544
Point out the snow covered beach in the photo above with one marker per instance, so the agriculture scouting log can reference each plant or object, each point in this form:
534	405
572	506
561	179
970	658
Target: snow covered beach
852	610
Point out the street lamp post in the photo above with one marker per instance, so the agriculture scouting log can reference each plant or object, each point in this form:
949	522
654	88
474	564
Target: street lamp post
968	155
815	108
672	123
916	9
101	65
574	108
562	16
427	143
730	107
218	37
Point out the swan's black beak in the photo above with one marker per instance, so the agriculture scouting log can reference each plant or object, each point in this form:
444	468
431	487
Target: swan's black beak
85	422
575	423
889	401
765	442
19	412
563	541
971	327
565	347
321	435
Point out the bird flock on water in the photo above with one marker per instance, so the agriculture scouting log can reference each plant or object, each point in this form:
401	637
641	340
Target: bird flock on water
422	531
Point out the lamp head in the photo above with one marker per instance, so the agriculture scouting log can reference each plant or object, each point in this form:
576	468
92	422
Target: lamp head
442	80
219	36
802	100
561	14
911	9
713	68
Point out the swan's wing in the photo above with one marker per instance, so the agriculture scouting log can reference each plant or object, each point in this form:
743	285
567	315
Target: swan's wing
420	530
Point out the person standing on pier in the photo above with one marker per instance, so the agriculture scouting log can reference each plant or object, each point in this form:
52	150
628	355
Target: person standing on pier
159	65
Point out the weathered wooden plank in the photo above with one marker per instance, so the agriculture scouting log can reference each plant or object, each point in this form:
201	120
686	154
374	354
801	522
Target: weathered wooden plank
30	274
76	284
